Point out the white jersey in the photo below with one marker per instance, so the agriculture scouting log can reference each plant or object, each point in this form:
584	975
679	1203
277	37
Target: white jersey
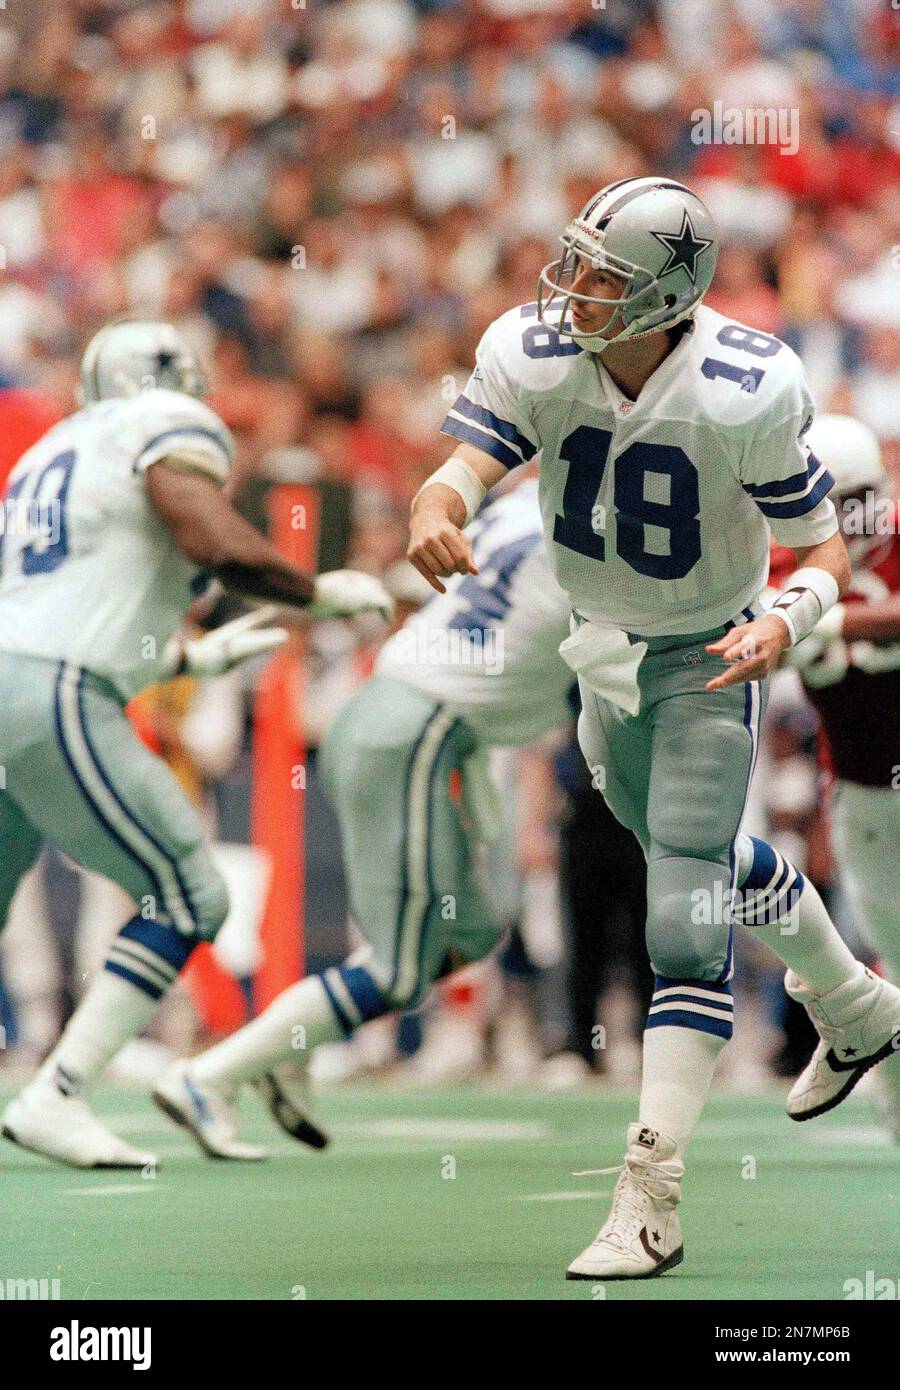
89	571
656	511
489	647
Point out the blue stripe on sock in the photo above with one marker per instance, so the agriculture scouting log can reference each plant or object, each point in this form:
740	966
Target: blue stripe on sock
717	986
339	1014
165	942
701	1023
672	999
363	990
139	981
762	869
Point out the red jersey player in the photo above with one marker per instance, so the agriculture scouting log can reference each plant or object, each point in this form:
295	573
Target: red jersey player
850	667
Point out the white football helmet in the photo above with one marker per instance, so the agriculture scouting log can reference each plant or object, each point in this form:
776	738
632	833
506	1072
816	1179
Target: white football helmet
851	453
132	356
654	233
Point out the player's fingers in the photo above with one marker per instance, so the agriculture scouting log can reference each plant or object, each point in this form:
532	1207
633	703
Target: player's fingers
462	555
738	674
439	556
434	554
426	573
722	644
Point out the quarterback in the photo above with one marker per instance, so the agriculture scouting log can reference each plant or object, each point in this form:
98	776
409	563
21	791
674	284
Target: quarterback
476	667
671	441
115	521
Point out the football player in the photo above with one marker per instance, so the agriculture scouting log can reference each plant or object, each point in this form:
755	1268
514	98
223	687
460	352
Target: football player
476	667
114	522
671	439
850	665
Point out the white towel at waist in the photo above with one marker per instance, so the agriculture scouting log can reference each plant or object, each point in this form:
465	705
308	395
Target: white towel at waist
601	655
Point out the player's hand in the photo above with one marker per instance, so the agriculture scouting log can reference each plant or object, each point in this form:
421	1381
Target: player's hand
438	548
224	647
341	593
751	651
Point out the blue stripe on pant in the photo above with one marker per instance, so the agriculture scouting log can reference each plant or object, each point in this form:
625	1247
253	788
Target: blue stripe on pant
158	864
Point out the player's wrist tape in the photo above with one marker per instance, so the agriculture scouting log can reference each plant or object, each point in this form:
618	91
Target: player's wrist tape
456	473
809	595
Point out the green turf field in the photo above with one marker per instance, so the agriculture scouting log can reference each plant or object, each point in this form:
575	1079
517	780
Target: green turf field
374	1217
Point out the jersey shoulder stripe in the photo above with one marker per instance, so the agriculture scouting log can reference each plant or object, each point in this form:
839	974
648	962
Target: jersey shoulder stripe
187	434
810	488
476	424
159	423
518	361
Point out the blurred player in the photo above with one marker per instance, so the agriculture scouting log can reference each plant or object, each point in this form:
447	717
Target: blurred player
850	665
479	666
115	521
669	437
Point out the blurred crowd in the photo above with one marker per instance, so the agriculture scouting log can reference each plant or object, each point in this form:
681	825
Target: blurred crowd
333	200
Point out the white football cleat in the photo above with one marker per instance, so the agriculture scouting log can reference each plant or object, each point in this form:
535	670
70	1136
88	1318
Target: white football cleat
285	1090
42	1119
207	1110
642	1234
858	1024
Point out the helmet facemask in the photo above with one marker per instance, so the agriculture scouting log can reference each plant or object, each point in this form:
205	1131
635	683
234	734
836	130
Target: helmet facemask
657	237
641	308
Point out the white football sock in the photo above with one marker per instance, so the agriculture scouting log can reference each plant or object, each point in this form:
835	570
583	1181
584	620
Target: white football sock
795	925
297	1021
677	1074
808	942
111	1013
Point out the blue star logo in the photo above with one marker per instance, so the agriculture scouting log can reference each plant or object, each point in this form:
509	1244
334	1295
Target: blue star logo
684	249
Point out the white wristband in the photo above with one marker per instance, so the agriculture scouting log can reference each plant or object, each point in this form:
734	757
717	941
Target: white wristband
463	479
807	597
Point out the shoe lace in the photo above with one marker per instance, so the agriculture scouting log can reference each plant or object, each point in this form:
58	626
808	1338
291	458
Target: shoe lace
640	1179
828	1032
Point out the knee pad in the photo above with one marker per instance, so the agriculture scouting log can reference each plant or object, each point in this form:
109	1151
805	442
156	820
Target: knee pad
688	918
695	803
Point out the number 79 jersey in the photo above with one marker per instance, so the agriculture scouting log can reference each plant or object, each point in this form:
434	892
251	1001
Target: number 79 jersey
89	571
657	511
